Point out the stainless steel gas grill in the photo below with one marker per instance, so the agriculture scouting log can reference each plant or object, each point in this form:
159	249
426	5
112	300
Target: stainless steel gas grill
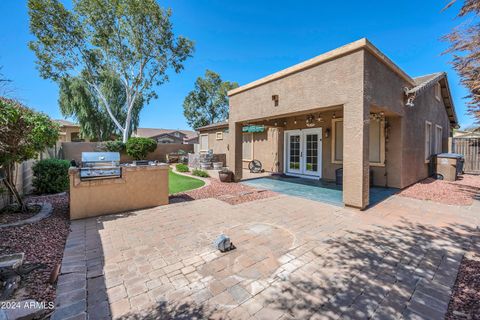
100	165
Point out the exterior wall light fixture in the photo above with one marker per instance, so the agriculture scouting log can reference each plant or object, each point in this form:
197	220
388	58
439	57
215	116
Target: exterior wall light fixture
275	100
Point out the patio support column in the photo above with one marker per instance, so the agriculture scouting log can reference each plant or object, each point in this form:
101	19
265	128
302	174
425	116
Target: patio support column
235	156
356	154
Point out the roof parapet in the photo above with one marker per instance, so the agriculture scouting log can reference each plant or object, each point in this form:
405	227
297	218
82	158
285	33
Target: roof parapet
363	43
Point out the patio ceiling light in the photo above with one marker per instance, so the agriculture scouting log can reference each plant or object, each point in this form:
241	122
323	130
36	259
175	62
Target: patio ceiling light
377	116
310	121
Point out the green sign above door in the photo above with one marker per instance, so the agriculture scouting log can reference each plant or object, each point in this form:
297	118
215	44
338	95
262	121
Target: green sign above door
253	128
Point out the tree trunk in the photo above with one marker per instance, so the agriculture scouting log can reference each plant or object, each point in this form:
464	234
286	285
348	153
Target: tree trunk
10	183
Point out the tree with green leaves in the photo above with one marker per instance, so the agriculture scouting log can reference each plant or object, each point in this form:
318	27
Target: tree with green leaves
24	133
78	102
130	38
207	103
465	48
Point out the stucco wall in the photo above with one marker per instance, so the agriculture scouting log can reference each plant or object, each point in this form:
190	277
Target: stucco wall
333	83
427	108
139	187
405	163
73	150
66	133
265	146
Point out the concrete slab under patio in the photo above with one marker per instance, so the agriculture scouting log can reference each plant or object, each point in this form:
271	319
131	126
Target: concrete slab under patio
295	258
313	189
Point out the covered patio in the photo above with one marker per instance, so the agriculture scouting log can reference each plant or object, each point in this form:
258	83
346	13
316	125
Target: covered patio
316	190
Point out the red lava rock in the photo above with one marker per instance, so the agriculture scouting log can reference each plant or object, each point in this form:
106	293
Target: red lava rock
461	192
42	242
465	301
232	193
9	217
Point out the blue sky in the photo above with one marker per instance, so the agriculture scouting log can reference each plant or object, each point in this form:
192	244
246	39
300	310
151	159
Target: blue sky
246	40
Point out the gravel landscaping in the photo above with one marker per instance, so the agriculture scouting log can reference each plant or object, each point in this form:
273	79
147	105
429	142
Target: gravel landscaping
461	192
465	302
8	215
232	193
43	243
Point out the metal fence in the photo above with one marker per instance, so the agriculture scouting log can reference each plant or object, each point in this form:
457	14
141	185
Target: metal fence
470	148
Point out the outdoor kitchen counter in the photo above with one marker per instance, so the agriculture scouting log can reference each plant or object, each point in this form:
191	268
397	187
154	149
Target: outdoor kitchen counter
139	187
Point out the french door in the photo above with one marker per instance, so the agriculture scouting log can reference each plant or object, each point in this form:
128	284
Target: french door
303	152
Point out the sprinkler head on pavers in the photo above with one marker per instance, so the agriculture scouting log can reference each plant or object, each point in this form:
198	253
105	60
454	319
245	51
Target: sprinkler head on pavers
223	243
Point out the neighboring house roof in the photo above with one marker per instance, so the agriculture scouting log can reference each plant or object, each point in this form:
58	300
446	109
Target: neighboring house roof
217	125
66	123
474	133
170	136
426	82
154	132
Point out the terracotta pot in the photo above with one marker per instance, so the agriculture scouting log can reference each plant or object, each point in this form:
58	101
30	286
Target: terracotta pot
225	176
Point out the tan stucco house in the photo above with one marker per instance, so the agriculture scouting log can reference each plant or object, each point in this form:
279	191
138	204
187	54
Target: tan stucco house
349	108
69	131
167	136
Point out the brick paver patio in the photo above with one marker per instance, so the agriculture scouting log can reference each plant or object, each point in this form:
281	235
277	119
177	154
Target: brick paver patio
295	259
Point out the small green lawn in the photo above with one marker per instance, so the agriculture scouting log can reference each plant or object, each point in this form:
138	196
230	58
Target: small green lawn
178	183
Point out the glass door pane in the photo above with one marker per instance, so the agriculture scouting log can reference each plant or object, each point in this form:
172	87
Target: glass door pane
294	158
311	152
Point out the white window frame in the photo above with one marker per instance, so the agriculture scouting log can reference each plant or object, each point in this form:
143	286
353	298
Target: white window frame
200	142
219	135
438	91
428	146
382	144
438	140
251	147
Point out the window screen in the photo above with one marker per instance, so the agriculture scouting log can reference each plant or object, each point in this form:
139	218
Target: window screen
247	146
338	127
428	140
375	142
204	142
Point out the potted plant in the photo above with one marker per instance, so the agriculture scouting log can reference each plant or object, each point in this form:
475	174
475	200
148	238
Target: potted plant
225	175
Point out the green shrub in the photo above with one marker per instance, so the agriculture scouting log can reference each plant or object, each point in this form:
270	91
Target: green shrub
182	167
200	173
50	176
138	147
114	146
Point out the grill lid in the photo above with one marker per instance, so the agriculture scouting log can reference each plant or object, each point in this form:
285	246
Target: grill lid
100	157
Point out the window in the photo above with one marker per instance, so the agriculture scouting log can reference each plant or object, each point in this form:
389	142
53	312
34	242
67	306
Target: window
376	140
204	142
75	137
247	146
438	91
337	140
219	135
428	140
438	139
